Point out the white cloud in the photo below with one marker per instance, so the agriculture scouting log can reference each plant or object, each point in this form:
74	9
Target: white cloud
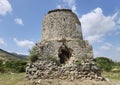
5	7
69	4
107	49
95	38
118	21
19	21
24	43
118	49
95	24
2	42
106	46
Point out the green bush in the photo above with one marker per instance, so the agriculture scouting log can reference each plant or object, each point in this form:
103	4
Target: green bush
33	55
116	63
15	66
104	63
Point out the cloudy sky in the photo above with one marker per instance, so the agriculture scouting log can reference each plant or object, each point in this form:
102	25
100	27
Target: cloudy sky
21	23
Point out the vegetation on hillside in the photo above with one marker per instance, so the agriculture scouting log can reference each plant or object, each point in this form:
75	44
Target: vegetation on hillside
12	66
4	55
104	63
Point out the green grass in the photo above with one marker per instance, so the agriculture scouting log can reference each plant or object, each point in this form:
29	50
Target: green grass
112	76
18	78
11	79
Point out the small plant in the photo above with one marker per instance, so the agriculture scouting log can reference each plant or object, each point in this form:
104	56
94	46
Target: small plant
78	62
33	55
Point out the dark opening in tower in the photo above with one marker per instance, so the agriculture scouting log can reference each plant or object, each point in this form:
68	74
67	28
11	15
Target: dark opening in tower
64	54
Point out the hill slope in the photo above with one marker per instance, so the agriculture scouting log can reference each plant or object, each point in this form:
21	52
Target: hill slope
4	55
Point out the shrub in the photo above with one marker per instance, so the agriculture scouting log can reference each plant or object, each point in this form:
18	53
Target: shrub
33	55
116	63
20	66
15	66
12	66
104	63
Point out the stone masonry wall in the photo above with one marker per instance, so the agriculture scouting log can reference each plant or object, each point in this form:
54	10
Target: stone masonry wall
79	48
60	24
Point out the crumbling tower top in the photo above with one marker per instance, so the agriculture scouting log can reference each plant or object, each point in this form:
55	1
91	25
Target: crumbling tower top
61	23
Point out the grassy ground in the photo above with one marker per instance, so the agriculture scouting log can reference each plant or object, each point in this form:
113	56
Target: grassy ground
113	76
11	79
18	79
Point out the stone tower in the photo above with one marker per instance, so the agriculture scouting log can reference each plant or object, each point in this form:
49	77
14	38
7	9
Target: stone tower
62	52
62	26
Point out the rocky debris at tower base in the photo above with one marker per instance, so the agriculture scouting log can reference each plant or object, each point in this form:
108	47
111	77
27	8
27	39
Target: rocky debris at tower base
48	69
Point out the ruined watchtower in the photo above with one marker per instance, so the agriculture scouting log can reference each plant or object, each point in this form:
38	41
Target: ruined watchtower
62	27
62	52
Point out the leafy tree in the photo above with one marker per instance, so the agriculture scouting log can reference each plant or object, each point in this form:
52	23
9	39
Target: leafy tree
116	63
12	66
20	66
33	55
104	63
15	66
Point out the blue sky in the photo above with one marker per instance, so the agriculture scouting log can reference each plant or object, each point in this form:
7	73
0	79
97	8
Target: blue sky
21	23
